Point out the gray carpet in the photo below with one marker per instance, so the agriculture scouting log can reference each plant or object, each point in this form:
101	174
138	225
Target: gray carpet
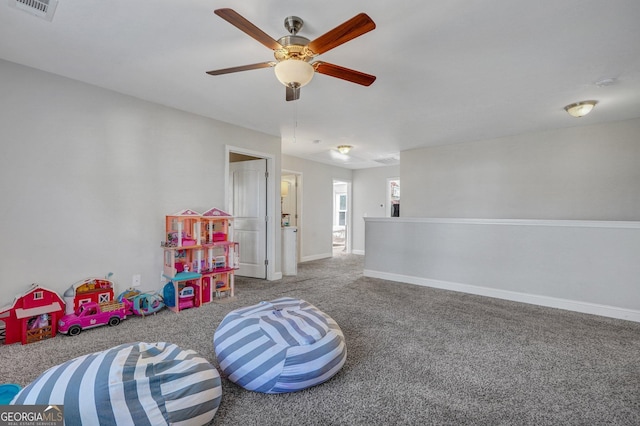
415	356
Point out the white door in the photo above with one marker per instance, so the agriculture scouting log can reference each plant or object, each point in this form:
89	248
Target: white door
248	203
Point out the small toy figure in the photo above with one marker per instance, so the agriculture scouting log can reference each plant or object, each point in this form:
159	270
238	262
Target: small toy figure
40	321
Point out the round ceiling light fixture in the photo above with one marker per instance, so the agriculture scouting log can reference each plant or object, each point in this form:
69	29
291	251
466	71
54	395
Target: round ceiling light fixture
580	109
294	72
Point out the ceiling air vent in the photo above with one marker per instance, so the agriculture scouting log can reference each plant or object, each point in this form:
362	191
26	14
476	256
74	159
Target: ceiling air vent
41	8
388	161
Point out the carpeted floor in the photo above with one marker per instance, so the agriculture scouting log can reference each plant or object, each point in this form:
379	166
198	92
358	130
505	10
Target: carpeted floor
415	356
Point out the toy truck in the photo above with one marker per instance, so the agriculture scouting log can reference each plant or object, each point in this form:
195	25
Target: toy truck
92	314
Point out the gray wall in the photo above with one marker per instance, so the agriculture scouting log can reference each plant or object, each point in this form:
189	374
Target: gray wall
585	266
525	199
87	176
369	199
586	173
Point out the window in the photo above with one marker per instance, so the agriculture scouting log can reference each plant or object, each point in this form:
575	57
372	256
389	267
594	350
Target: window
38	295
342	209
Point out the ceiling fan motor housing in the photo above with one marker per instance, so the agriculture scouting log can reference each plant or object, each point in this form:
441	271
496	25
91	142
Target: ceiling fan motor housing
293	68
293	24
293	47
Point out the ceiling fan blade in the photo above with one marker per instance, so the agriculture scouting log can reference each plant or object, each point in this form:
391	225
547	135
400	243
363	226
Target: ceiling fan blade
241	68
235	19
344	32
344	73
293	93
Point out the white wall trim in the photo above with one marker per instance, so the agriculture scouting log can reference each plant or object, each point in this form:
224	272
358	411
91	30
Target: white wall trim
551	302
359	252
518	222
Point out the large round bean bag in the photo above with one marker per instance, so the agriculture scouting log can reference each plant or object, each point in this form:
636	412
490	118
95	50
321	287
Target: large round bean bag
280	346
137	383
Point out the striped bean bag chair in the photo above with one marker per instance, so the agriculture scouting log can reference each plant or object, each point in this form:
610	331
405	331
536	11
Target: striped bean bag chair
280	346
138	383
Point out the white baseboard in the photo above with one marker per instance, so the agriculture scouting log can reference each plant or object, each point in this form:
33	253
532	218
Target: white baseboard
275	276
551	302
360	252
316	257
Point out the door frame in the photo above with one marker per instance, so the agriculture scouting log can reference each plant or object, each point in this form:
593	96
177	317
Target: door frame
272	237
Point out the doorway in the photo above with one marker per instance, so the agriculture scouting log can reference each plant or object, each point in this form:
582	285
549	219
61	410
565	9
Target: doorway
289	199
341	233
393	197
250	201
291	212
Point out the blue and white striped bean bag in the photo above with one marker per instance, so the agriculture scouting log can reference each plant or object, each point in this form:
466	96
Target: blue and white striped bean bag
138	383
280	346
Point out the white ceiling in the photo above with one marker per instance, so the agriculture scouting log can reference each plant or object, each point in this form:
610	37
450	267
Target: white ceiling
447	71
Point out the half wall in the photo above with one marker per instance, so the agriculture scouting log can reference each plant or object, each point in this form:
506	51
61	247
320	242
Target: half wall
584	266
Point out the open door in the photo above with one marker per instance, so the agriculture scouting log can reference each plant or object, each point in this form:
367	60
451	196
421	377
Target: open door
248	201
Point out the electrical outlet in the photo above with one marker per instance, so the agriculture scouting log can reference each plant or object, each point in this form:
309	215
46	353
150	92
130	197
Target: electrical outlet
161	276
135	282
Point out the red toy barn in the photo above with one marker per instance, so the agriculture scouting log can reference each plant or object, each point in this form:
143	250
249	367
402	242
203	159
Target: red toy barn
98	290
32	317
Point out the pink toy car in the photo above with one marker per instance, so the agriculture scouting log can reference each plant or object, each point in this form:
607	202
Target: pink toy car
92	314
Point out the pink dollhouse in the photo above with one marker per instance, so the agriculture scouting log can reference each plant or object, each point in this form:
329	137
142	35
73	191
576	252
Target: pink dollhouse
182	260
221	252
214	229
199	252
33	316
98	290
183	228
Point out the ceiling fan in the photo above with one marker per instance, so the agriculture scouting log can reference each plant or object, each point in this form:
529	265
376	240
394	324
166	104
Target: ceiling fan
293	53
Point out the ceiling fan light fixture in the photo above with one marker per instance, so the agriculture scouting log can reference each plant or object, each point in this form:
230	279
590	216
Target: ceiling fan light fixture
580	109
293	53
344	149
294	72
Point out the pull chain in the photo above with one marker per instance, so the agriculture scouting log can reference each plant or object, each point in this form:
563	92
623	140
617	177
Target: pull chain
295	120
